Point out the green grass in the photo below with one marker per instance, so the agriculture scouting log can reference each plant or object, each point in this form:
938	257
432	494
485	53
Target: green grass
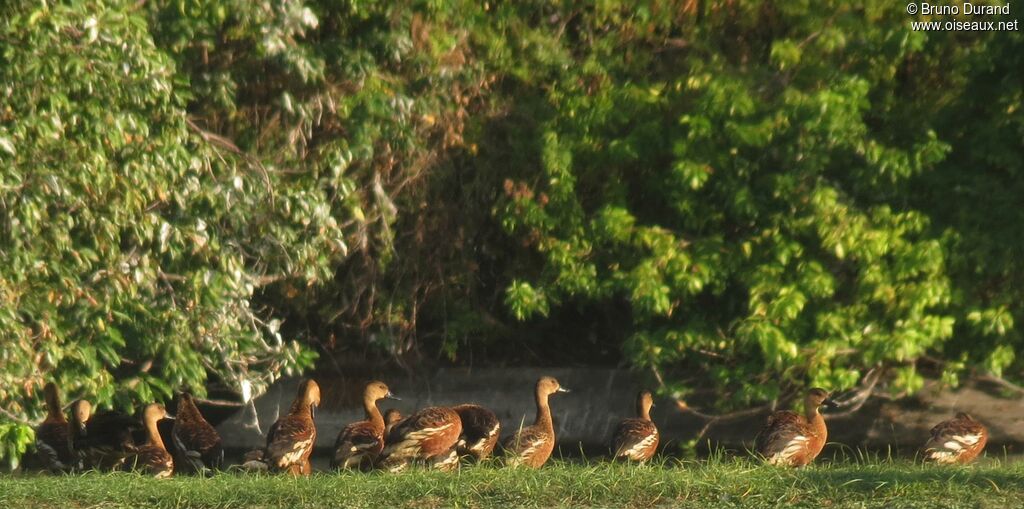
711	483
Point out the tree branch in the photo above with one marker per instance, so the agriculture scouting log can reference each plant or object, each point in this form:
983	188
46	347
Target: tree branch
16	418
855	400
1000	381
218	141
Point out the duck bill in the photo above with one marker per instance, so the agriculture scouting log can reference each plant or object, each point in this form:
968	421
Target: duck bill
312	411
563	389
390	395
830	404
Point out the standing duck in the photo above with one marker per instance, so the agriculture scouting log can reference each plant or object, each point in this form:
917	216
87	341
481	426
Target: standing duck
53	446
291	439
391	417
480	428
359	443
152	457
102	440
956	441
428	435
636	439
531	446
197	444
791	439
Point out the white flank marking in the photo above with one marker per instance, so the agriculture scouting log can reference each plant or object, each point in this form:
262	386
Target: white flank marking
635	453
410	445
967	439
953	445
794	446
295	455
528	451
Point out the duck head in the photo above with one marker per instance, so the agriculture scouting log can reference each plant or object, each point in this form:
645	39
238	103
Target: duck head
548	385
309	396
378	390
392	416
818	397
154	412
81	410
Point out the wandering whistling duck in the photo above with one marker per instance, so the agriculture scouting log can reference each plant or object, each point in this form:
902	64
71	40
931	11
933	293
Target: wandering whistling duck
480	428
428	436
636	439
53	446
359	443
152	457
391	417
197	444
791	439
956	441
101	440
291	439
531	446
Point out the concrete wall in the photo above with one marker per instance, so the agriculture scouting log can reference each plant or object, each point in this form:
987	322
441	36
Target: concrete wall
585	417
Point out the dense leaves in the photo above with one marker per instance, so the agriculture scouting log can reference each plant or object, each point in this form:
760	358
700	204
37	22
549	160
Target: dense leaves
743	179
743	196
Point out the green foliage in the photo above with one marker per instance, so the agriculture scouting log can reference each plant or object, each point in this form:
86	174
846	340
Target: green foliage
14	441
199	193
132	246
746	195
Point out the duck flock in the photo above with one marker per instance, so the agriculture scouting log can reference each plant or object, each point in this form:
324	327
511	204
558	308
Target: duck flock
437	437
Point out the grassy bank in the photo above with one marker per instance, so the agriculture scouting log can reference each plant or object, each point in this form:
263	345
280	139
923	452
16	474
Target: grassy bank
725	483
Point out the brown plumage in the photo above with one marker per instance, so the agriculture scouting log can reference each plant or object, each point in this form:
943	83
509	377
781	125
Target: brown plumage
197	445
53	445
102	440
359	443
956	441
291	439
152	457
531	446
790	439
480	429
391	417
636	439
427	436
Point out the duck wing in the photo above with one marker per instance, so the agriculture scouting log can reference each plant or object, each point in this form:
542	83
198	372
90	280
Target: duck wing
956	441
52	446
785	436
480	430
427	433
197	440
356	441
635	439
525	443
290	440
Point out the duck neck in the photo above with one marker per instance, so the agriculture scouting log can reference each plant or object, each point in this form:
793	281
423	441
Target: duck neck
301	406
642	411
154	434
53	409
543	411
815	419
187	409
373	413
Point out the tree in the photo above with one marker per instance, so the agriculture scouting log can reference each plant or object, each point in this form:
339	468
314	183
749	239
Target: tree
132	243
735	175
